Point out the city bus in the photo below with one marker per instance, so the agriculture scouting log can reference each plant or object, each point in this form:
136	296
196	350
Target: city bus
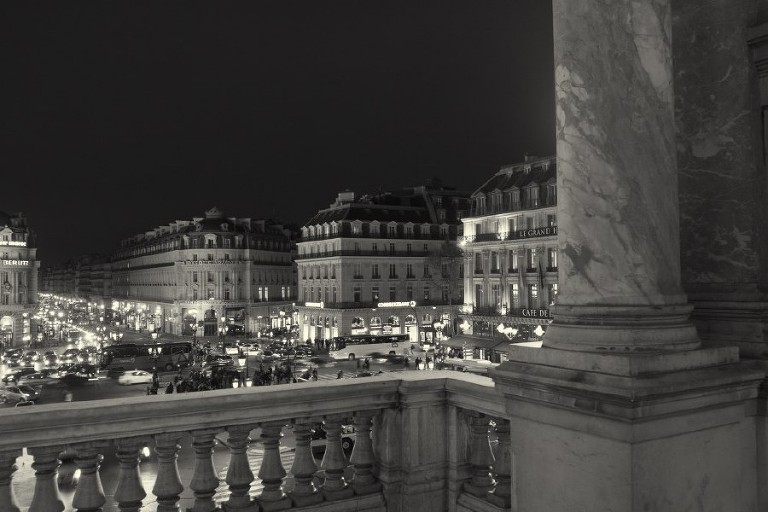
139	356
362	345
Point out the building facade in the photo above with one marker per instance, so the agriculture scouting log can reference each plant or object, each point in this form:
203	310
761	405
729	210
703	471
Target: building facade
383	263
510	247
206	276
18	280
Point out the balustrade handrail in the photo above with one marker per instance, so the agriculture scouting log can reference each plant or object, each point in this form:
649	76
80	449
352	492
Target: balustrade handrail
95	420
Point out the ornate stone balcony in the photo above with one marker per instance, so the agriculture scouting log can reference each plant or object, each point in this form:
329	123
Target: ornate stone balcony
422	441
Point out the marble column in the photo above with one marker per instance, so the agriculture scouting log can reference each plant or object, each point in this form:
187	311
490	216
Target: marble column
617	180
723	183
622	403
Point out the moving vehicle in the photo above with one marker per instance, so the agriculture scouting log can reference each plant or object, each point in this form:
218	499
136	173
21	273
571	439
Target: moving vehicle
15	375
318	440
31	357
28	392
12	355
11	394
352	347
146	356
73	336
135	377
70	355
36	379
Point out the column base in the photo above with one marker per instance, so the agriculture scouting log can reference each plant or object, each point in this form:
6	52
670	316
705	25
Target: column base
632	432
615	329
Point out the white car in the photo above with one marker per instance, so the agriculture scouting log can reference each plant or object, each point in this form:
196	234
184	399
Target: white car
135	377
9	396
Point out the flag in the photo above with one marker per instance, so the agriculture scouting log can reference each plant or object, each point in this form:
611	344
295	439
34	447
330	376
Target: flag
541	276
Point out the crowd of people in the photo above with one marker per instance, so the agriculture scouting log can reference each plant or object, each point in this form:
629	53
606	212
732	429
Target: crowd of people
224	377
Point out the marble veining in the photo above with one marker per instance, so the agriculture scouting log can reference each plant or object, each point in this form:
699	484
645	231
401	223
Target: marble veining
617	211
718	153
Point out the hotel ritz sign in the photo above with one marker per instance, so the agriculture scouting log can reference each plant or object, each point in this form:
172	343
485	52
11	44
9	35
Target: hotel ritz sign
15	263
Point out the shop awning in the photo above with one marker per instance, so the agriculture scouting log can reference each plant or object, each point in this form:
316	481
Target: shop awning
460	340
505	346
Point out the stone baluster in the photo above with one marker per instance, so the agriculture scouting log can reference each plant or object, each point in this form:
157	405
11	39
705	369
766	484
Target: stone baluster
129	493
271	471
89	495
204	479
480	456
334	461
362	457
503	470
7	468
168	484
304	468
46	497
239	474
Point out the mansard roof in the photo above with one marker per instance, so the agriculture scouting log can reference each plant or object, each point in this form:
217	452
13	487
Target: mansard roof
370	213
517	176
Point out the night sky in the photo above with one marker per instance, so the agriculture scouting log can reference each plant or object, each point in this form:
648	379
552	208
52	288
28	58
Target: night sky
117	117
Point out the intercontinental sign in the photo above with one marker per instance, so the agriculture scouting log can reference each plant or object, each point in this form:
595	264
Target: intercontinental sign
14	243
410	304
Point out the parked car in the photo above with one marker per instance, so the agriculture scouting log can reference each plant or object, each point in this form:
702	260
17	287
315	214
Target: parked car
135	377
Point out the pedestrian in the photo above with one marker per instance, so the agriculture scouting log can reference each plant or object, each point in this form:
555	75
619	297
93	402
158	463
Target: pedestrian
169	388
340	374
314	374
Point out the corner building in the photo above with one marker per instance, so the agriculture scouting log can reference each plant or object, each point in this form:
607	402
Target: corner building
372	264
205	276
18	280
510	244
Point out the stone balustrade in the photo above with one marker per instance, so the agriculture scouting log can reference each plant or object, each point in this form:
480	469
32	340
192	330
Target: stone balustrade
422	441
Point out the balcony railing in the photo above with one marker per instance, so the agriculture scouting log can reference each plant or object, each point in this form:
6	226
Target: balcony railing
381	236
353	252
461	459
508	207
